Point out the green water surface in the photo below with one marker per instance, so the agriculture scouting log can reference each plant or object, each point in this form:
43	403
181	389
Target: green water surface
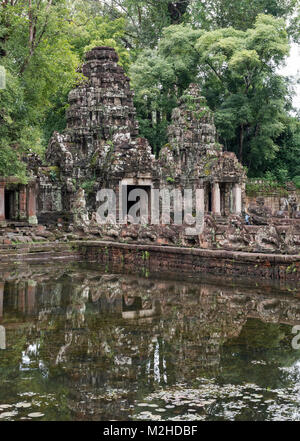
84	343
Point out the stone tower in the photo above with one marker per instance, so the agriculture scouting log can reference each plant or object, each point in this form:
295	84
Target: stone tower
101	119
103	106
100	146
194	159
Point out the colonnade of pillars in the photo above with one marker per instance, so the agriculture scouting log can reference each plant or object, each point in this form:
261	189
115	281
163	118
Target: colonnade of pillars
26	297
26	303
236	199
22	203
236	196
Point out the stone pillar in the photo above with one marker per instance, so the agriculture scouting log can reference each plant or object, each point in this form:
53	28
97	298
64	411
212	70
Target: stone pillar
237	198
31	291
216	199
200	209
21	298
22	203
1	299
2	338
200	200
2	201
31	204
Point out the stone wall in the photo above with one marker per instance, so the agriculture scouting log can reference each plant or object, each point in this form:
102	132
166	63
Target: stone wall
194	261
146	259
273	201
101	147
276	198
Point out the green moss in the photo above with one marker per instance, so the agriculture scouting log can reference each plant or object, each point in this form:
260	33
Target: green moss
296	181
264	188
170	180
291	269
88	186
52	172
94	160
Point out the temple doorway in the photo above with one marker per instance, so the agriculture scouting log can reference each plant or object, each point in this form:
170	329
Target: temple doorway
223	199
9	199
209	199
142	197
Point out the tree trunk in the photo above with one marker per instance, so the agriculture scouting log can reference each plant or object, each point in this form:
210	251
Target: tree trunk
241	143
177	10
5	35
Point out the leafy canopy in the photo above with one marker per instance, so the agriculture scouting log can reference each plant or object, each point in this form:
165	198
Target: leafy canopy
237	72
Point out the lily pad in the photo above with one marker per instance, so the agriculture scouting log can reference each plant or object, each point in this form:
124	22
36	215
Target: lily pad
35	415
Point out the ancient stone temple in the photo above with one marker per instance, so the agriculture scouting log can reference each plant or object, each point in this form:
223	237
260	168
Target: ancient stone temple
101	147
194	159
17	202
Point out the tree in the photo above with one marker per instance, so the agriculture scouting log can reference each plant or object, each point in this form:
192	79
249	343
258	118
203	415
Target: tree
253	95
42	43
237	72
286	165
159	78
145	19
239	14
40	65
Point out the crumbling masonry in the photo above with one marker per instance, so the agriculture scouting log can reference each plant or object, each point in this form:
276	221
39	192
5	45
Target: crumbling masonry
101	148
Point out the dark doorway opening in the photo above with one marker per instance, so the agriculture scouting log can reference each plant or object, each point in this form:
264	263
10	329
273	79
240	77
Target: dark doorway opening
131	303
127	205
223	198
9	195
209	199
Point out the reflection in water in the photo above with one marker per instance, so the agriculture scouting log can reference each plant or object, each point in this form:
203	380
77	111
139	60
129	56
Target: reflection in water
81	344
2	338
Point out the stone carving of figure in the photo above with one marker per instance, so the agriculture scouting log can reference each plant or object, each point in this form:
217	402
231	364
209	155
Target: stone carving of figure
2	338
292	201
236	235
259	213
81	217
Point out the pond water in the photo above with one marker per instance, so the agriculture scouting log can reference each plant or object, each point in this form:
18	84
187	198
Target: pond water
80	342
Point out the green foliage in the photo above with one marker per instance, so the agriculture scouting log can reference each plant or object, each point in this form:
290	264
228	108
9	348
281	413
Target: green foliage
88	186
286	164
296	181
236	71
10	164
159	77
170	180
251	97
145	20
42	44
228	46
265	186
239	14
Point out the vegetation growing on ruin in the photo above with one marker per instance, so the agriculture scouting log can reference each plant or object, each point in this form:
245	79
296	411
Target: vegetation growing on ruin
265	187
232	49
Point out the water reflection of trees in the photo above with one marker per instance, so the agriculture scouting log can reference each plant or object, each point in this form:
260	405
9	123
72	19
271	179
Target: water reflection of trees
103	334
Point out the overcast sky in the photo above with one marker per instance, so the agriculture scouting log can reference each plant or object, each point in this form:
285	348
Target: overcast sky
292	69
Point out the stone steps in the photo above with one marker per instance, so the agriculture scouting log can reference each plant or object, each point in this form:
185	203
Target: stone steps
35	251
39	257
